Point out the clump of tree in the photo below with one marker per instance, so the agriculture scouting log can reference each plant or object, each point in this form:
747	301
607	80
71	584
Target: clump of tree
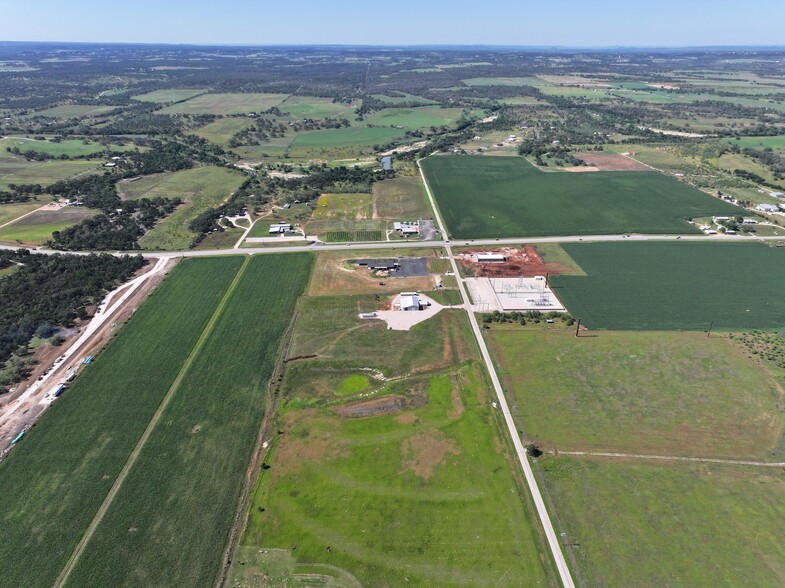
527	316
47	293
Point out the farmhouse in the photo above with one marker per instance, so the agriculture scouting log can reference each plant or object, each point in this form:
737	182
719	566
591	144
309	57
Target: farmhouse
491	258
767	208
278	228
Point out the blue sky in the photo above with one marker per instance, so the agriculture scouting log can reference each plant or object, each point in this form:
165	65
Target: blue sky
498	22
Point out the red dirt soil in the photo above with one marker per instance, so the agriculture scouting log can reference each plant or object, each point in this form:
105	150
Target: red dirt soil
611	162
521	261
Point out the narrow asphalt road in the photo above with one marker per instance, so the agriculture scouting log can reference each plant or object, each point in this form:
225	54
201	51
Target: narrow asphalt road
534	489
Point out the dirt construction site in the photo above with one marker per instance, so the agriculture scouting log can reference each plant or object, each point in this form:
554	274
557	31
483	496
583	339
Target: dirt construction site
518	261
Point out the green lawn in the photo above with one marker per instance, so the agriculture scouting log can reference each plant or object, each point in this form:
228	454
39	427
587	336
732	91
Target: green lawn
653	392
669	525
508	197
53	483
169	95
669	286
231	103
179	501
200	188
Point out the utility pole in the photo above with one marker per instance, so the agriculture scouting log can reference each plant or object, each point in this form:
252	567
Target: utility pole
708	334
578	328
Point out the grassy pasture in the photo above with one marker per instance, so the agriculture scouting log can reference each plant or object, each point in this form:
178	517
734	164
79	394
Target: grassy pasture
313	107
531	81
221	130
200	188
9	212
425	497
346	137
16	170
37	228
73	111
181	496
669	286
343	207
632	392
239	103
54	482
759	142
652	524
401	198
169	95
70	147
508	197
414	118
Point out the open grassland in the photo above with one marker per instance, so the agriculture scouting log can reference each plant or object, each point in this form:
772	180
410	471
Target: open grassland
759	142
10	212
200	188
16	170
424	497
343	207
414	118
401	198
54	482
239	103
221	130
170	95
422	492
653	393
70	147
346	137
178	503
299	107
508	197
652	524
73	111
37	228
531	81
667	286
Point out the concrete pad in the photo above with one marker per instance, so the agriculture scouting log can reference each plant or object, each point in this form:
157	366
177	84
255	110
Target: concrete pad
508	294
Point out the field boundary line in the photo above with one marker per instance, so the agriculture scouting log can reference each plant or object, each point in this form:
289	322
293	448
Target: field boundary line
25	215
765	464
557	554
197	348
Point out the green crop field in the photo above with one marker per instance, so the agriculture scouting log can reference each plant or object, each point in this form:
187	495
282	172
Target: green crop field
423	495
639	392
666	286
643	523
170	95
178	503
73	111
53	483
37	228
200	188
508	197
240	103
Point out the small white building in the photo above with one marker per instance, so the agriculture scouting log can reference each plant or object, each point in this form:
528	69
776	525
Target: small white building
110	164
409	301
777	194
767	208
278	228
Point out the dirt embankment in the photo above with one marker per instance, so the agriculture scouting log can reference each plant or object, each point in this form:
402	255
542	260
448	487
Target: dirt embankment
519	261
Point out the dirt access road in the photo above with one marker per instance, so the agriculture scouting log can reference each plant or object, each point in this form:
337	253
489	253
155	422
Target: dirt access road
19	410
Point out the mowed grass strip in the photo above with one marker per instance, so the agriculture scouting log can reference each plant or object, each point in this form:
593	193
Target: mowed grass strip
660	393
53	483
652	524
482	196
676	285
170	521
